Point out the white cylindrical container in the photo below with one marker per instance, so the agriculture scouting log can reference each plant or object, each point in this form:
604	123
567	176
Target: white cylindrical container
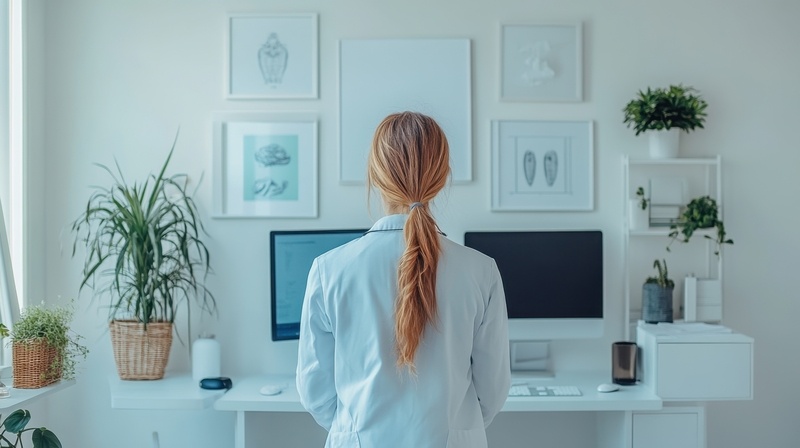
206	358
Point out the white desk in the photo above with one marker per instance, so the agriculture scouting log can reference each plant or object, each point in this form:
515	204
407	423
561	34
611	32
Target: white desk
245	397
174	391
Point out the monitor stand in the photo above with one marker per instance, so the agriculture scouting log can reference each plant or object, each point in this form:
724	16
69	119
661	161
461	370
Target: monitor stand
530	359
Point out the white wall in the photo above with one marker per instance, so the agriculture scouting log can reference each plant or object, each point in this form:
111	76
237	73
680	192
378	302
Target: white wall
117	79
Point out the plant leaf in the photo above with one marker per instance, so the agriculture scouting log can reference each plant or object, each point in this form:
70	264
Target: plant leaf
17	421
44	438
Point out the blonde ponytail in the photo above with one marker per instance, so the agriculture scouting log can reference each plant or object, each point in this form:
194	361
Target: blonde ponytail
409	164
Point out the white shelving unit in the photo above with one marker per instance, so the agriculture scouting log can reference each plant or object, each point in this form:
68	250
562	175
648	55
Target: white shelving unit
702	176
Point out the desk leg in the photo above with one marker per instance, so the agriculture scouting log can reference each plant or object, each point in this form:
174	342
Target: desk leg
239	431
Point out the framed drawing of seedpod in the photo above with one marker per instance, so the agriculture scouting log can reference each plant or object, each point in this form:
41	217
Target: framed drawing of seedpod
542	165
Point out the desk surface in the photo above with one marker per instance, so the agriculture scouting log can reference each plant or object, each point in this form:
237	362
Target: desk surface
174	391
245	396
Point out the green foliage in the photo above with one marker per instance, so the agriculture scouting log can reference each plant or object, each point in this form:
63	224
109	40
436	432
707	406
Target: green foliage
700	213
15	424
657	109
642	199
52	324
662	279
149	234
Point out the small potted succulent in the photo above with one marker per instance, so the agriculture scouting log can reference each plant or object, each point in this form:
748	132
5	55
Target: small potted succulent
657	295
662	113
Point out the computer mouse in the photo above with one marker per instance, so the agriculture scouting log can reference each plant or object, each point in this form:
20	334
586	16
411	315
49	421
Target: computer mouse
607	387
271	389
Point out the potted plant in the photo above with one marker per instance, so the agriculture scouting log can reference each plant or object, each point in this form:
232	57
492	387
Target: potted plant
144	240
16	423
44	348
700	213
657	295
663	113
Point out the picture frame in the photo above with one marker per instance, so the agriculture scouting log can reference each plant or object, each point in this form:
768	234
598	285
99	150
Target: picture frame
272	56
542	165
382	76
265	165
541	62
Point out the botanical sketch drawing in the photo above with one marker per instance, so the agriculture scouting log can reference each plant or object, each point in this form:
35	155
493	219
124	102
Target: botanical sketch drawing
529	166
541	165
272	59
550	167
538	69
266	156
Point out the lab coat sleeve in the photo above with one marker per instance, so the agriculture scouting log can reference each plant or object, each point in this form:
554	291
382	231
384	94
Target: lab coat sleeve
491	368
315	358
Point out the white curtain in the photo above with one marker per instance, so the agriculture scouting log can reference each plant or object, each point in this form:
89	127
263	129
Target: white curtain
9	308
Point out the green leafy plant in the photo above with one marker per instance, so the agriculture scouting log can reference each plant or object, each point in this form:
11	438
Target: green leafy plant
662	279
53	325
149	236
700	213
666	108
16	423
642	199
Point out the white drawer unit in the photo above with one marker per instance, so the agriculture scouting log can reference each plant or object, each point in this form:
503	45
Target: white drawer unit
669	427
686	363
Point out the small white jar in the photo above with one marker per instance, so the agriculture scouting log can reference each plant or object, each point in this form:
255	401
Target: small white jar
206	358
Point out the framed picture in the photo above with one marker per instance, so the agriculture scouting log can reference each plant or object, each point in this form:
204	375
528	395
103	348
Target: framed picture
541	62
265	166
272	56
542	165
383	76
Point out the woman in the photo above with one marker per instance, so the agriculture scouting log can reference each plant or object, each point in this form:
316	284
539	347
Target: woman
404	334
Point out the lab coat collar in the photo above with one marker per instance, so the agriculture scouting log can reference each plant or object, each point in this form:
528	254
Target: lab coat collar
390	222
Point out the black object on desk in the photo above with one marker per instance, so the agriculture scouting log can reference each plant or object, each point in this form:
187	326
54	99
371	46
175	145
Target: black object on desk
221	382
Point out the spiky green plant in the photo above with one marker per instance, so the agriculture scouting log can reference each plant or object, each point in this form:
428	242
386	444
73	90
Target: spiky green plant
145	240
662	279
665	108
16	423
53	325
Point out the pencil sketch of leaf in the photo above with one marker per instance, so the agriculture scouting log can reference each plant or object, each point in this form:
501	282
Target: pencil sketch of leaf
529	166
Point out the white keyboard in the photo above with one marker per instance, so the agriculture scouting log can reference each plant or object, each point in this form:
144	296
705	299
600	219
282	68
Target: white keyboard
523	390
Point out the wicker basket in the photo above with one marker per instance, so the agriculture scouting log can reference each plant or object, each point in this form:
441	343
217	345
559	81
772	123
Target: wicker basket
34	364
141	355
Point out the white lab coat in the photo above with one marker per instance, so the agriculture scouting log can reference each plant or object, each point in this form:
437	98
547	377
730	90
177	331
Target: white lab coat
347	374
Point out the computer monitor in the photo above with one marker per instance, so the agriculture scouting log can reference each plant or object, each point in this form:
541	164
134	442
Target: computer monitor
291	254
553	281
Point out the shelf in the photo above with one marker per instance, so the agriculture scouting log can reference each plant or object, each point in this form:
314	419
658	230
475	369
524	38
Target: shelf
174	391
709	161
664	231
20	397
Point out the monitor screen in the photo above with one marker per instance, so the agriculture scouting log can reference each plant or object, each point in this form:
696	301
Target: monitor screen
291	254
553	281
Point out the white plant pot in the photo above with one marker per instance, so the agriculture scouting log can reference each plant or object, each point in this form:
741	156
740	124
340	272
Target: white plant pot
664	144
639	219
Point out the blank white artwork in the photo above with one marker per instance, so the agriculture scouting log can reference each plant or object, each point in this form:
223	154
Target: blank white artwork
272	56
541	62
380	77
542	165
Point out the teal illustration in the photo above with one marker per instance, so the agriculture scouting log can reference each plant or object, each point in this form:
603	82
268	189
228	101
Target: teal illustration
270	169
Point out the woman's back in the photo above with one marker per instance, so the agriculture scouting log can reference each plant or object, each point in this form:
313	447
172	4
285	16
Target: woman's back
449	398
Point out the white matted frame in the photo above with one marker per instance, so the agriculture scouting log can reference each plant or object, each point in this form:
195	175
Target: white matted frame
542	165
541	62
265	165
382	76
272	56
